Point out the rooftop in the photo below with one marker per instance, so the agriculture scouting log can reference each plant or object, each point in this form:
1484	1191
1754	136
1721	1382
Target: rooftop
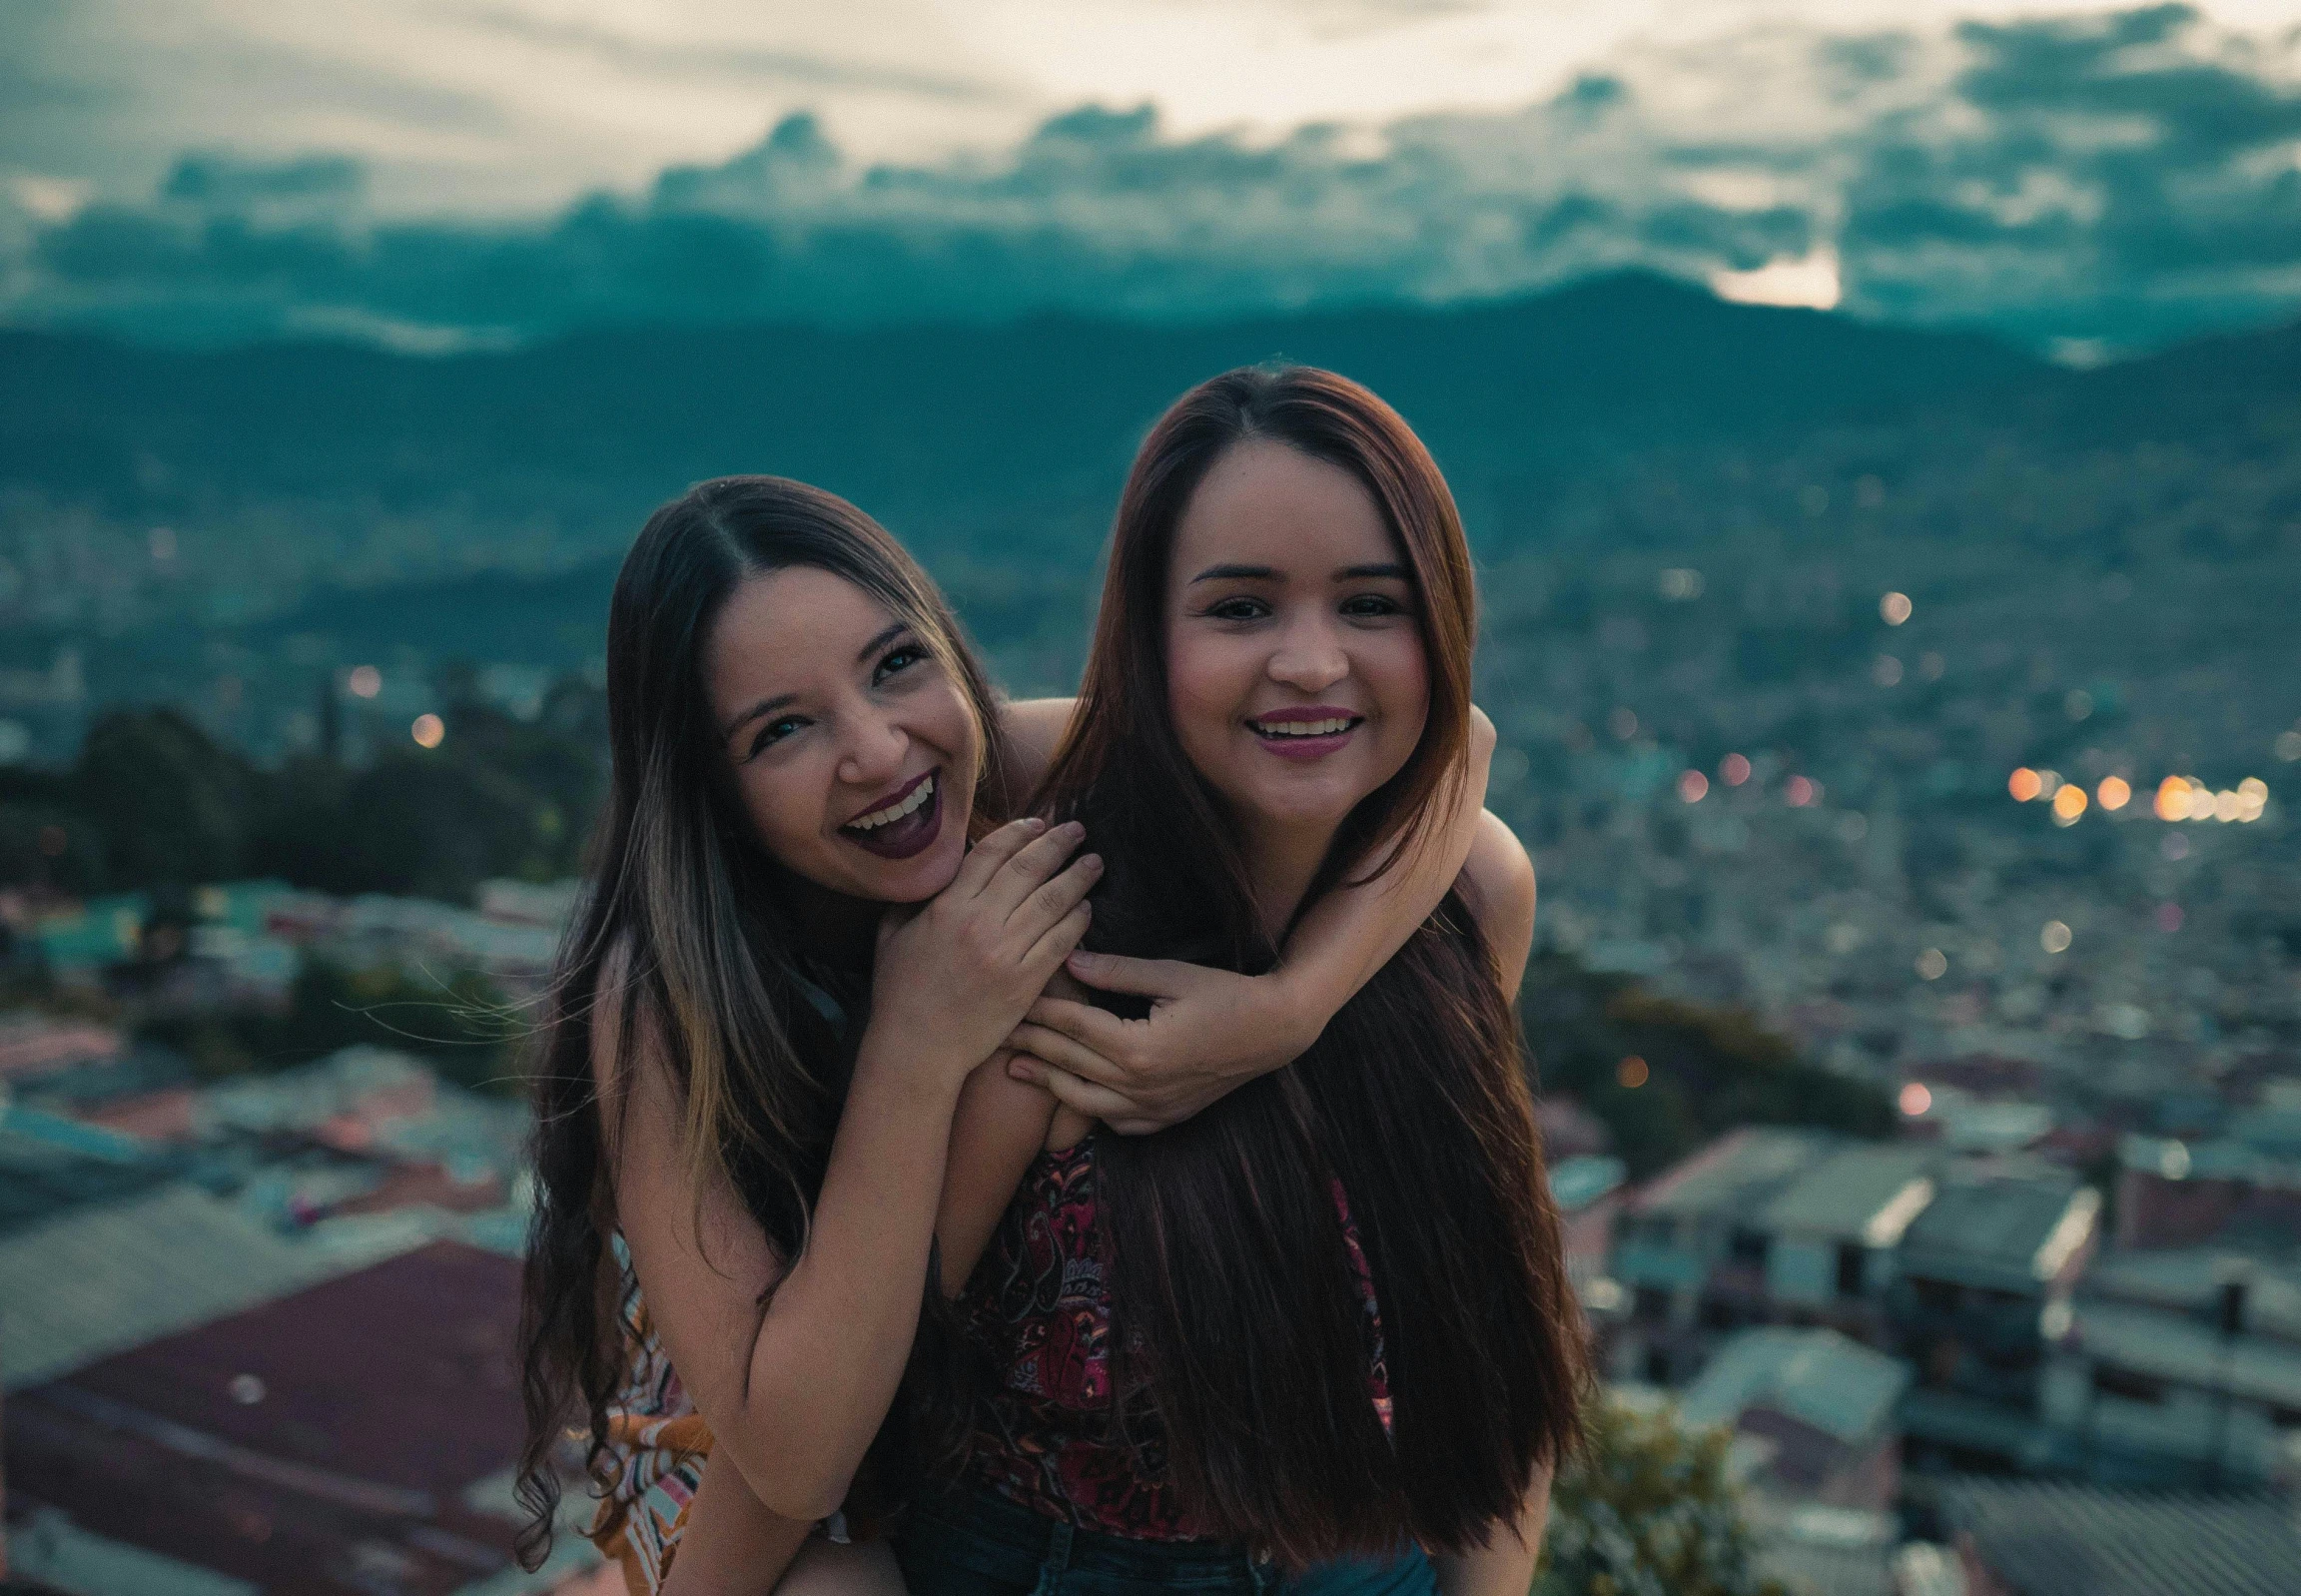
108	1276
2068	1540
1819	1377
1735	1174
2189	1280
2188	1351
1998	1229
1866	1192
349	1436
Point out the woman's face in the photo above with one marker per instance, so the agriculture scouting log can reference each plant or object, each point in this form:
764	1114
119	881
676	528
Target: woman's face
855	750
1296	674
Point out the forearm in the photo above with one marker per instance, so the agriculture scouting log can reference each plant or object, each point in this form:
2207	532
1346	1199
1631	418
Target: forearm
999	1129
837	1331
732	1544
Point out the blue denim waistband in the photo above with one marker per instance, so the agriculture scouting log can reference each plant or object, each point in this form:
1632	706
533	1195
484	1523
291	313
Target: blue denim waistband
998	1538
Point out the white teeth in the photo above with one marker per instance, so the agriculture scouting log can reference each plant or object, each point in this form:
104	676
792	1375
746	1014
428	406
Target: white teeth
894	812
1301	728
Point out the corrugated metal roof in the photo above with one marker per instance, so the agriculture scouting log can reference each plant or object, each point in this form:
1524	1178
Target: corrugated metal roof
1819	1377
98	1280
1839	1196
1737	1172
347	1438
1988	1231
2067	1540
2173	1347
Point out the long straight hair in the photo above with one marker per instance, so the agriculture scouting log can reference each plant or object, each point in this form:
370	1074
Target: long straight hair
1238	1324
687	918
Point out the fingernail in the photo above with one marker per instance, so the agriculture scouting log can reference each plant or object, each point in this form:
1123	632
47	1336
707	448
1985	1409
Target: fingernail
1094	863
1034	822
1081	956
1075	828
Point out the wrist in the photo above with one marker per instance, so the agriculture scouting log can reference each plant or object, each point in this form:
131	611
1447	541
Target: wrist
906	1068
1300	1009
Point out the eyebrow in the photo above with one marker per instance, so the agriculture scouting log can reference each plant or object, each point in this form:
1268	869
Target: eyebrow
1390	569
768	706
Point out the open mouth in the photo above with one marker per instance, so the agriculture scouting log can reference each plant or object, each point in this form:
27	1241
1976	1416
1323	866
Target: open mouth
905	824
1305	733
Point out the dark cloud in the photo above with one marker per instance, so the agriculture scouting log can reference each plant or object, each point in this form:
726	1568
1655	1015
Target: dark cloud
2125	179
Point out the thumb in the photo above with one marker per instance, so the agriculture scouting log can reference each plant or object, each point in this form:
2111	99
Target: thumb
1144	978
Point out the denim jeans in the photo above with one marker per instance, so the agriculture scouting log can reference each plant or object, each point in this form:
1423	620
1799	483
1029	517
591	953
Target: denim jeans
975	1543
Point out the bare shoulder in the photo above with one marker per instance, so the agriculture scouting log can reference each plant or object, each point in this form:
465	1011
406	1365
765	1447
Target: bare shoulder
1497	882
625	1046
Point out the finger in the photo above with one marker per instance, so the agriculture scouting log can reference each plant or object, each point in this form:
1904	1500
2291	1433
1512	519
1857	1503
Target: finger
1146	977
1046	955
1034	863
1095	1101
1048	904
1064	1054
1095	1028
986	858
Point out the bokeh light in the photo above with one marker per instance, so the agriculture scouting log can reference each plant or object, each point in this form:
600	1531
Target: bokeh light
1887	672
1632	1072
2115	792
1802	791
2068	804
2024	784
2288	746
1895	608
2172	801
1915	1099
1734	770
2055	938
429	731
1933	965
2171	918
366	681
1692	786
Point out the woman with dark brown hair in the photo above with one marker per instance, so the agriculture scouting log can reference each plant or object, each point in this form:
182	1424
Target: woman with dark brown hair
761	1075
1325	1321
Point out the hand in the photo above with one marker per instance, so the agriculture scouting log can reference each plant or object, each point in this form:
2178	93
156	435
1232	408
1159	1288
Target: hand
955	977
1208	1031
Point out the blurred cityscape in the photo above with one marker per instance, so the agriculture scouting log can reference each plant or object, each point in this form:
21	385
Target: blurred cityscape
1905	729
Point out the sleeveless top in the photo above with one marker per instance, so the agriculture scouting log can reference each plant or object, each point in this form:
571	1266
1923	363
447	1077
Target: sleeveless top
1043	1433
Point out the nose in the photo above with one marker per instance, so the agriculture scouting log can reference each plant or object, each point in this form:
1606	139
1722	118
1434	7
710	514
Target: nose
1309	659
871	748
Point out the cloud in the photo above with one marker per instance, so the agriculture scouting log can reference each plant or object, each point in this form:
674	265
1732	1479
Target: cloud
2116	180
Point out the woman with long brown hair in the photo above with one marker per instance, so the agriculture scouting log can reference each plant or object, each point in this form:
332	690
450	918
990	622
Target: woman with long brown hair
760	1084
1326	1320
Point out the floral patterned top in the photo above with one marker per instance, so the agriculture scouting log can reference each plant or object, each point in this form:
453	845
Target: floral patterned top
1038	1306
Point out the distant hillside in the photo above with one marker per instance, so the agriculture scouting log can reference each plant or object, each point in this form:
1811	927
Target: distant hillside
941	431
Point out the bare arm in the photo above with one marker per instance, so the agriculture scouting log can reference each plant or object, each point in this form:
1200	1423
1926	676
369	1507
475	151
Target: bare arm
731	1544
1209	1030
796	1379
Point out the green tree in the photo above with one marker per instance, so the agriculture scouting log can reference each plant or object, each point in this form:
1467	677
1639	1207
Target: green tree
1648	1509
171	803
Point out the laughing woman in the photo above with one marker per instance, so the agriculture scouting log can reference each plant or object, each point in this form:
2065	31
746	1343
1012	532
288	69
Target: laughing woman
758	1083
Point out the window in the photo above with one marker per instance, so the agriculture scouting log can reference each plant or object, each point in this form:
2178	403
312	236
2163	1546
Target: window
2124	1383
1937	1296
1850	1268
1747	1246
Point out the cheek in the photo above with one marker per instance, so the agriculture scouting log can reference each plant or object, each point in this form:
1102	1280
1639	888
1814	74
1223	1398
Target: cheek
1203	687
1400	677
785	807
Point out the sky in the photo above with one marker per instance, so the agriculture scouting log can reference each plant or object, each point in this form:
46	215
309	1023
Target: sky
437	173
